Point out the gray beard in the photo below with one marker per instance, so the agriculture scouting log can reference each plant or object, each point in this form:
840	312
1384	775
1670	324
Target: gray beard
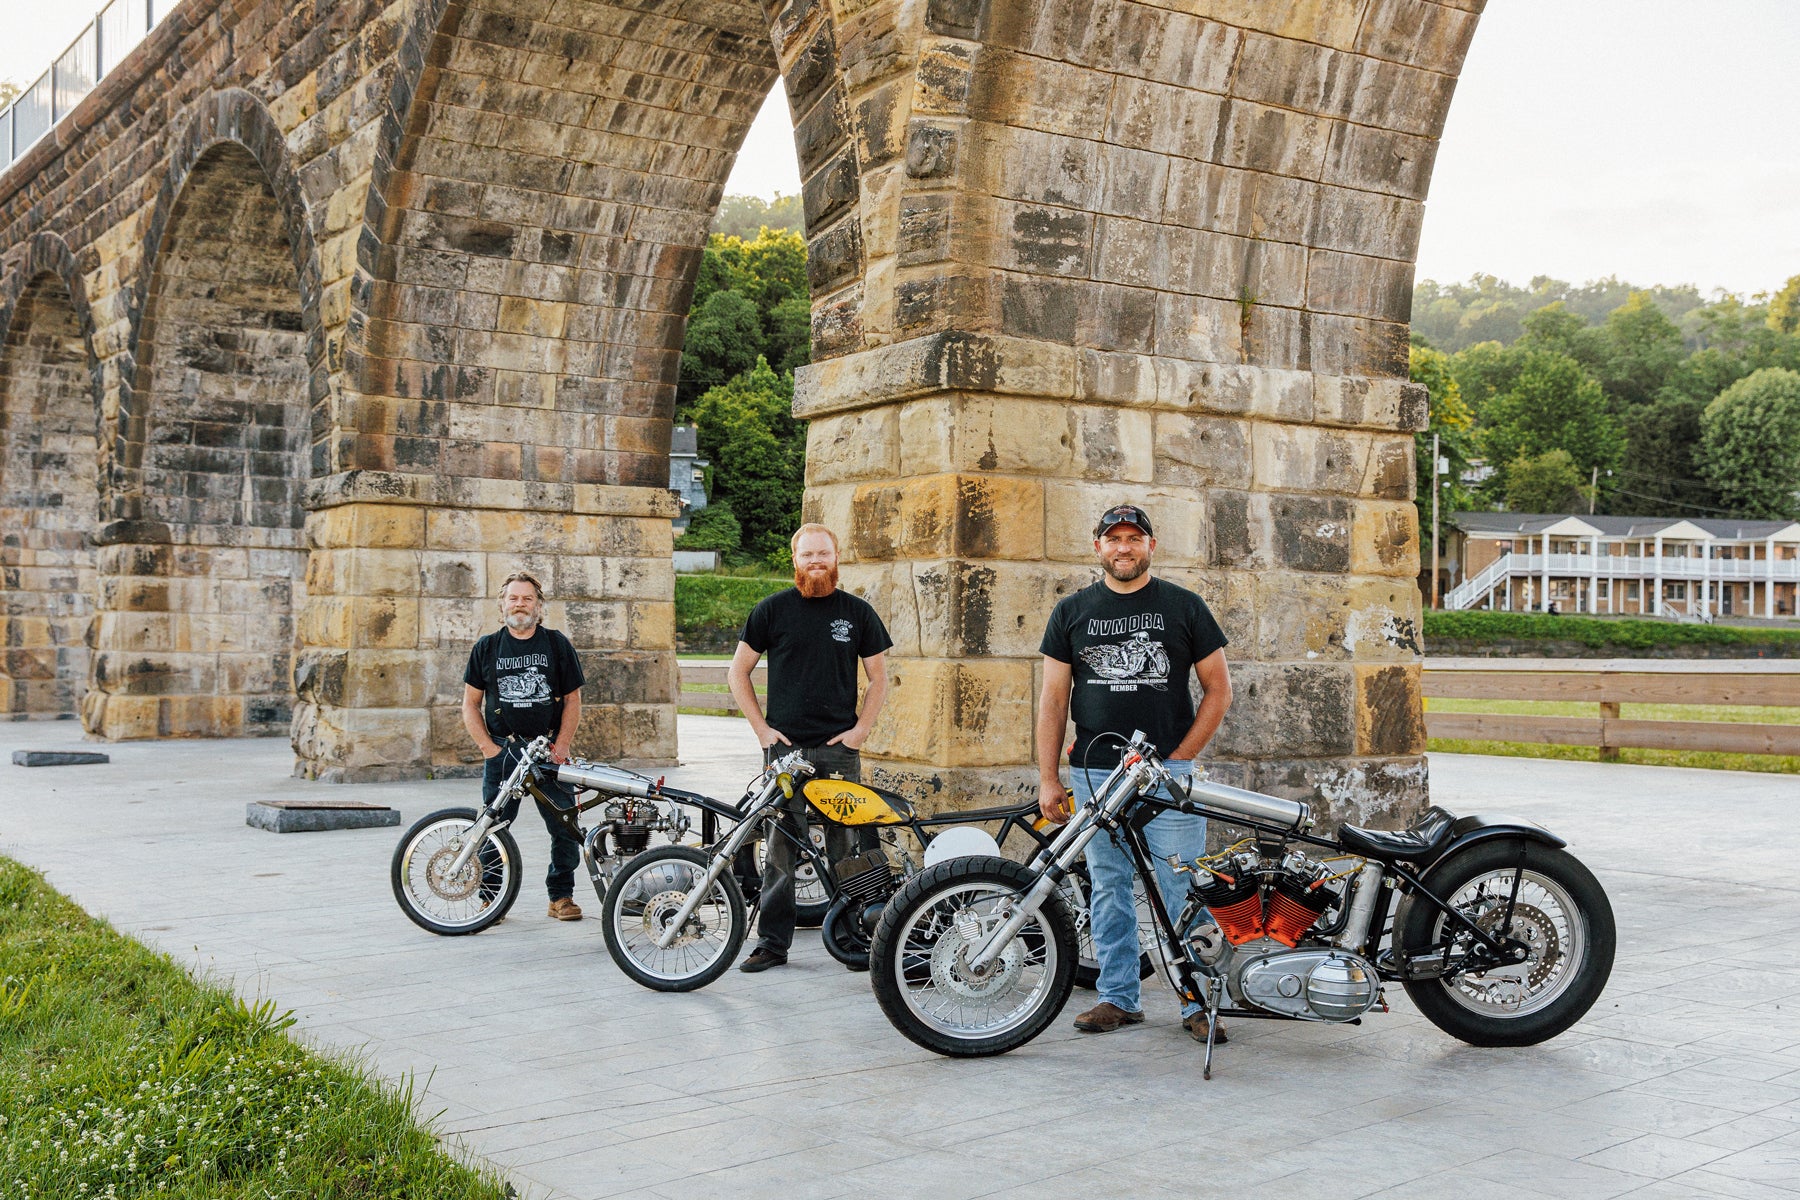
520	622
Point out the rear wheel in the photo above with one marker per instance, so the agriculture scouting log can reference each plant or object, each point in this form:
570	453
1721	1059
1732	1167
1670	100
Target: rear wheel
454	903
1561	914
645	899
919	959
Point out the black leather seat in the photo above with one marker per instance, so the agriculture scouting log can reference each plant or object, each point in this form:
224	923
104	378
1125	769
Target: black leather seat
1421	841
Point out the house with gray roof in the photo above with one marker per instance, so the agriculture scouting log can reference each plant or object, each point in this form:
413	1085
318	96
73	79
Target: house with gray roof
1697	568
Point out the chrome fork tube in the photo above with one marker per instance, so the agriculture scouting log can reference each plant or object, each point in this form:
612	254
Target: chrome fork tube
485	821
1116	792
720	862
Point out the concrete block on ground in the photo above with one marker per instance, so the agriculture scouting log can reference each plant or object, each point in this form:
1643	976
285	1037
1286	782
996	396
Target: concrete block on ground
58	758
311	816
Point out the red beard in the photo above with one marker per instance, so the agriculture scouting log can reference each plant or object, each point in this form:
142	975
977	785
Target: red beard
815	585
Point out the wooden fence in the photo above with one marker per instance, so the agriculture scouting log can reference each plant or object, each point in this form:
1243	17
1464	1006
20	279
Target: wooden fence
1608	683
711	675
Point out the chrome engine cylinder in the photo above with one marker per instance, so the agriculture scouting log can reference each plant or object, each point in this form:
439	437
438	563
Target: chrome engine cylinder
603	778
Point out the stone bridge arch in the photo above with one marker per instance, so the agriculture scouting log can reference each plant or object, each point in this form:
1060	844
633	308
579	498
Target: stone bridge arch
49	487
1063	253
218	404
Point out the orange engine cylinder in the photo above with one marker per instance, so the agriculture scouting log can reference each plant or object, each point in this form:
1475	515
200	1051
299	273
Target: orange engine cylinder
1292	911
1236	907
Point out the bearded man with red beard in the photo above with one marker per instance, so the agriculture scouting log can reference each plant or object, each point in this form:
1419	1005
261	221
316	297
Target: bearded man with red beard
814	635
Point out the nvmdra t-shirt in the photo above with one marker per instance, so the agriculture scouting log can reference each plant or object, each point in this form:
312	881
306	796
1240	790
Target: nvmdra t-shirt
1131	655
523	680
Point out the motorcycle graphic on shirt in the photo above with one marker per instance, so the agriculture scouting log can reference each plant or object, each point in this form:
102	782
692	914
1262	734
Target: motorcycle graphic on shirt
527	687
1125	665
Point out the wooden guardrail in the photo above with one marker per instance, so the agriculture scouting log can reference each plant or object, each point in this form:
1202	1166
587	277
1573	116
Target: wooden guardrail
1609	683
711	676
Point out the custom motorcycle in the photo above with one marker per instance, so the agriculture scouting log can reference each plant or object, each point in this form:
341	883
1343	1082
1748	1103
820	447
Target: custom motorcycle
456	871
676	916
1499	936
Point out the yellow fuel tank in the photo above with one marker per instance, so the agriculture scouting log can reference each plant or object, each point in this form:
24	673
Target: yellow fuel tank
856	804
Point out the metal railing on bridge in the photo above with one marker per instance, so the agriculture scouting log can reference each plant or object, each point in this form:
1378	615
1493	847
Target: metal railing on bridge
100	47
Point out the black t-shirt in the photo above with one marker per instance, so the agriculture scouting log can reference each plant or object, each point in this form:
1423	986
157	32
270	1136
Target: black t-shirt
813	647
524	681
1132	654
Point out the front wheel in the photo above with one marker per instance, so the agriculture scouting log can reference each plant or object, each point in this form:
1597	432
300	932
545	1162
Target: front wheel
645	898
1561	913
466	901
919	967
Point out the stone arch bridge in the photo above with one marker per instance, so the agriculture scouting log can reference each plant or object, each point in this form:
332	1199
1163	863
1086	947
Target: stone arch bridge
318	316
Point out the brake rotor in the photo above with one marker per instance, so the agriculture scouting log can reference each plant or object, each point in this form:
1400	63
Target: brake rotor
661	908
950	968
1534	927
437	874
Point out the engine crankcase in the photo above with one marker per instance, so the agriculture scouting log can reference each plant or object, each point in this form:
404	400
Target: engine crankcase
1313	985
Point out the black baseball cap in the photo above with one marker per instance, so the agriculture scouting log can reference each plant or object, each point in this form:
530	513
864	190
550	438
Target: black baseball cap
1124	514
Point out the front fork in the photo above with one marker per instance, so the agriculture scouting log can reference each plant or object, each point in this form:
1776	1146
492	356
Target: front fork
721	862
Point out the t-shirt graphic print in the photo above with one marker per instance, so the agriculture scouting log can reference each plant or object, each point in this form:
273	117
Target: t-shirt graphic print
1125	666
521	679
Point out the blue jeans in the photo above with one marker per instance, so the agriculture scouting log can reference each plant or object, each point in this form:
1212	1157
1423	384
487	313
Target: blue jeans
1112	913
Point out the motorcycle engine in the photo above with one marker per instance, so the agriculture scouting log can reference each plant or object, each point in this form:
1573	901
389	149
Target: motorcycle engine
1263	908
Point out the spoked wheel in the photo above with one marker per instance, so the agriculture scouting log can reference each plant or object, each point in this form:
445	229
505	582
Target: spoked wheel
1074	892
647	896
919	961
1561	913
453	903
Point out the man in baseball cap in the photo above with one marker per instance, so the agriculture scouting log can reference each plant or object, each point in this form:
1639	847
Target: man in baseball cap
1118	654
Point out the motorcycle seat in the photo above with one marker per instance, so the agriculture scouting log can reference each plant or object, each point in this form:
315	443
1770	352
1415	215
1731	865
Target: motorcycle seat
1421	841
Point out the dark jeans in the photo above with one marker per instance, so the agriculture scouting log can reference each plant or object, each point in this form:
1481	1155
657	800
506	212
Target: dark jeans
775	928
565	847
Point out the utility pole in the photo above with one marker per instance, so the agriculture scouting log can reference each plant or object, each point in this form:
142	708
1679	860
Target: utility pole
1437	469
1593	490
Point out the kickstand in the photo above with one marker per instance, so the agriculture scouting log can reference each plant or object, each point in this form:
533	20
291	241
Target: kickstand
1212	1025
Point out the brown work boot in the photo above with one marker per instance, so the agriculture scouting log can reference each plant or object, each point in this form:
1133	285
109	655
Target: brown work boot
1104	1018
565	909
1196	1027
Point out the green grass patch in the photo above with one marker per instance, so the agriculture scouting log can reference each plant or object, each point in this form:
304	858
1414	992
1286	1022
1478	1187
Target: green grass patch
120	1076
1780	764
1600	633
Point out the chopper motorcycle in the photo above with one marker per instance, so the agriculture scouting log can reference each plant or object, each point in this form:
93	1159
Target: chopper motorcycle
676	916
1499	936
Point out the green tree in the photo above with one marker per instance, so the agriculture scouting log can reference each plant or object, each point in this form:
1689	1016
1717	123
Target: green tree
1659	474
724	339
1454	426
1553	404
1555	327
1547	483
1784	308
1750	445
750	298
758	451
1636	351
714	527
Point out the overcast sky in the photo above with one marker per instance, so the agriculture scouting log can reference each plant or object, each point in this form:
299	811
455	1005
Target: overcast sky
1650	139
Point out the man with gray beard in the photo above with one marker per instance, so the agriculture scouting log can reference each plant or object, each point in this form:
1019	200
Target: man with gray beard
523	681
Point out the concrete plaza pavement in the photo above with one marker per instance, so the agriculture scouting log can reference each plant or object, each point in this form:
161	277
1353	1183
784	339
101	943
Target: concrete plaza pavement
543	1059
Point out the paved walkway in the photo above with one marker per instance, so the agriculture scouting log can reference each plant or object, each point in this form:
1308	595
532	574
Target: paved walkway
1684	1081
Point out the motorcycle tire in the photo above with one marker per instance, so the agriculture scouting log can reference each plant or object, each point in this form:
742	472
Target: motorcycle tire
476	898
1561	911
843	934
1075	891
917	951
645	895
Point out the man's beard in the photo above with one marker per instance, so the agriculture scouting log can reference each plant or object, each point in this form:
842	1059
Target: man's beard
1129	573
521	622
815	586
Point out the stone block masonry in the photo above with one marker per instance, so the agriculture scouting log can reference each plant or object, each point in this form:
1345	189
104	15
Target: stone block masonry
367	305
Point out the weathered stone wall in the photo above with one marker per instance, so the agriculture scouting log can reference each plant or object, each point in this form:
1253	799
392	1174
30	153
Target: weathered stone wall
1062	254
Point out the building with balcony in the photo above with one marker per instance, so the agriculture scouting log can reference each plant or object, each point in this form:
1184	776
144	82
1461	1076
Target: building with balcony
687	473
1650	566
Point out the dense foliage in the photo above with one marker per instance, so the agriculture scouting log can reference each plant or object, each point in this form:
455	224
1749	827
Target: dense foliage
710	609
1603	396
